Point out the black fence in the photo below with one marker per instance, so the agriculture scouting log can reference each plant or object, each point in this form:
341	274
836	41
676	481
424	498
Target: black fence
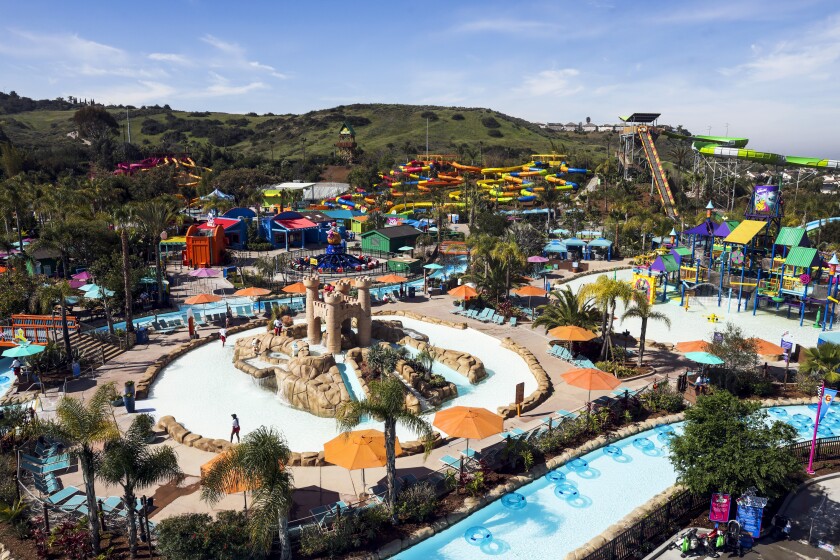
661	523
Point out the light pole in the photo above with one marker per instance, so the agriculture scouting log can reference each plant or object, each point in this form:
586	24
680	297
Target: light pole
303	139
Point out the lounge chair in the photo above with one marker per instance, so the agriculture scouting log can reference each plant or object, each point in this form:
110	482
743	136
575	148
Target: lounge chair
485	314
73	503
472	314
451	462
499	319
111	504
408	480
620	392
513	321
457	310
163	327
47	484
62	495
37	469
470	453
553	351
512	433
245	311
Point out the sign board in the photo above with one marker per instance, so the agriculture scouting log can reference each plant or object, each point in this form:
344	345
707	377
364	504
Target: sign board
750	519
717	337
520	393
313	261
719	509
787	346
765	199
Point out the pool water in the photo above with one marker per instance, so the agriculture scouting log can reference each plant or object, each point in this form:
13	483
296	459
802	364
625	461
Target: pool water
565	509
207	376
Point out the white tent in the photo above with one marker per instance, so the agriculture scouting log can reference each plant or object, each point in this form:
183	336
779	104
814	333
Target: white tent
217	194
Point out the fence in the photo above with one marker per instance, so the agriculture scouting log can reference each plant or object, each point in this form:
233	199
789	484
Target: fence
659	524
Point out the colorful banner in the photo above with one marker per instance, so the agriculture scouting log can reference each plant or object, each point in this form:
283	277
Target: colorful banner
719	509
828	397
765	199
750	519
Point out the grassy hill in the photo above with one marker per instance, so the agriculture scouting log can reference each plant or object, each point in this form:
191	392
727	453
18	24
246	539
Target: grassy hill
400	129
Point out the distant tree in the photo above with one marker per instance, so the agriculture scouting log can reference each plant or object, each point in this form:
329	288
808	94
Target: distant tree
822	363
739	355
727	445
642	309
567	308
364	176
95	123
241	183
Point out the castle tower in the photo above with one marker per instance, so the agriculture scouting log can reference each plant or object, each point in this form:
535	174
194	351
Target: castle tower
333	303
363	324
346	145
313	324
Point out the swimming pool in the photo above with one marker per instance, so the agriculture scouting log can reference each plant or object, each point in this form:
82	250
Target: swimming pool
7	379
207	376
565	509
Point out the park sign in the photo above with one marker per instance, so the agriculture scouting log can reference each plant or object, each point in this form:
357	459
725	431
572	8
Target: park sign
719	508
750	510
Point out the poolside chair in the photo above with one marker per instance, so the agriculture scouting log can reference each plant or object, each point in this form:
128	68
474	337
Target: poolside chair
485	314
512	433
451	462
162	328
111	504
472	314
73	503
512	321
47	484
471	453
38	469
408	480
499	319
245	311
61	495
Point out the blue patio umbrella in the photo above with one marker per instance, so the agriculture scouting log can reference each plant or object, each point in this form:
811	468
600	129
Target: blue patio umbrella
88	287
23	351
98	293
704	358
406	248
432	266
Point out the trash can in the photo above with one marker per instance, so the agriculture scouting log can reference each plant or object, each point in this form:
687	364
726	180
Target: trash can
77	369
142	335
412	291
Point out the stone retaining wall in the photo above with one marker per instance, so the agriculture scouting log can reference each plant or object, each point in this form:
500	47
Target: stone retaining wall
419	317
148	377
544	386
463	362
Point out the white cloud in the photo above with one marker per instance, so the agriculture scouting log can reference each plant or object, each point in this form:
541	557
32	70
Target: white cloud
61	46
170	57
266	68
551	82
503	25
142	92
234	58
224	46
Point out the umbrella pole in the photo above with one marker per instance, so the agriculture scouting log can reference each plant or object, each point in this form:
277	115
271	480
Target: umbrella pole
245	495
364	484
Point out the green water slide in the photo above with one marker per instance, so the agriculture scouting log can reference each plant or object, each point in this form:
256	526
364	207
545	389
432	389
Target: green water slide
731	147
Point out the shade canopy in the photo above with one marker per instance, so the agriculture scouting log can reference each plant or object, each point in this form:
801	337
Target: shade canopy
361	449
463	291
98	292
252	292
405	248
692	346
529	291
89	287
766	348
432	266
704	358
77	284
391	278
204	273
537	259
202	298
468	422
591	379
572	333
233	482
85	275
296	288
23	351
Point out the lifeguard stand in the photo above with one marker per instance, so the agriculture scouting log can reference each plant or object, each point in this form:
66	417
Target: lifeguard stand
346	145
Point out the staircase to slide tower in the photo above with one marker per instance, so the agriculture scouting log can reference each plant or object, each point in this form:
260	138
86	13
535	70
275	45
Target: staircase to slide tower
658	173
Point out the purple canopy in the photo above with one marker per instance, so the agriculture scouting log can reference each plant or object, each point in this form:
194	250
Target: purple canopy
204	273
76	284
706	229
537	259
85	275
725	228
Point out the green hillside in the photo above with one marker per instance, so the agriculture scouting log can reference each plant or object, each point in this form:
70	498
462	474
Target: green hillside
400	129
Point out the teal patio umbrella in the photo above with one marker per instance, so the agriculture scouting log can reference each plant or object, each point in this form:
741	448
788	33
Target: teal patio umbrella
704	358
432	266
23	351
405	248
98	293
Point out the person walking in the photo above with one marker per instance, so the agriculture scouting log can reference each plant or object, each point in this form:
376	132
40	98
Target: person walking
234	431
223	336
278	327
16	368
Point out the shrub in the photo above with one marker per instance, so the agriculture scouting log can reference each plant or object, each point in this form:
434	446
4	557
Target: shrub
69	539
617	369
349	532
431	115
493	133
663	397
457	117
256	246
417	502
437	381
490	122
195	536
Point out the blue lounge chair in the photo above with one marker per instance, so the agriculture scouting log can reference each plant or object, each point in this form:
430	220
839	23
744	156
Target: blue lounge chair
499	319
74	502
470	453
512	433
621	390
111	503
245	311
486	314
513	321
44	469
451	462
62	495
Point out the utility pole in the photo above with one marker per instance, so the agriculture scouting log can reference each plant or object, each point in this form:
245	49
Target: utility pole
303	139
427	138
727	129
128	124
709	130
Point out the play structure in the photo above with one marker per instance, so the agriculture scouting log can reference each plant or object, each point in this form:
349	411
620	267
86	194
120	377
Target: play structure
336	259
337	310
189	173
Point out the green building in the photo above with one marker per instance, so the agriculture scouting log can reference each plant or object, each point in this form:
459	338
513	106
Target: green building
390	239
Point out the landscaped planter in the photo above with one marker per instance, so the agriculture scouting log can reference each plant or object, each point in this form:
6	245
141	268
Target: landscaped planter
128	401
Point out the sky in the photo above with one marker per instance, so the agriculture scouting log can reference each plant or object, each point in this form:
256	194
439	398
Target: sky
767	70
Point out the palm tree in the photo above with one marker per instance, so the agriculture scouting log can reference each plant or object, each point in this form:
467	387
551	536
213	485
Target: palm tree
549	197
493	282
606	292
81	427
122	220
508	252
386	403
50	294
567	309
130	462
824	361
258	463
642	309
154	217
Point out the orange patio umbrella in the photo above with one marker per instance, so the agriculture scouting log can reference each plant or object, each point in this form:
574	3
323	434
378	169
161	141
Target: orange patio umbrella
468	422
391	279
463	291
252	292
361	449
529	291
233	484
296	288
202	298
589	379
766	348
572	333
692	346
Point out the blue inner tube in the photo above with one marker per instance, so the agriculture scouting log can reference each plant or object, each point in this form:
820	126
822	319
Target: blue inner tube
825	431
555	476
612	450
478	535
578	464
777	412
665	437
566	491
642	443
812	406
514	500
802	418
666	429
